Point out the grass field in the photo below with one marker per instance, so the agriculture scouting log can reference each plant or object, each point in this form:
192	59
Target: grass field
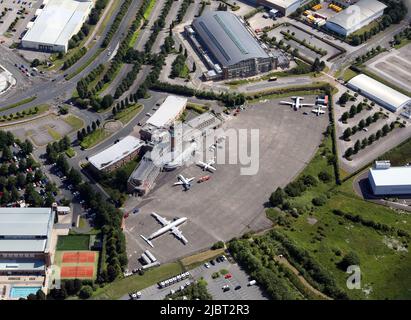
127	114
73	242
54	134
400	155
200	258
74	122
327	237
94	138
121	287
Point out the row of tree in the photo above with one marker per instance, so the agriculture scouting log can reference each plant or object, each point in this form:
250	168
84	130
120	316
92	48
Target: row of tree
370	140
361	125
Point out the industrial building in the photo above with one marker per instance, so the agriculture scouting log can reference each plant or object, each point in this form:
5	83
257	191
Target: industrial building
56	24
286	7
169	111
387	180
225	39
117	155
378	92
26	248
355	17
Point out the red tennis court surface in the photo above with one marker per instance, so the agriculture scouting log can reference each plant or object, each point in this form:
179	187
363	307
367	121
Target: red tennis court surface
77	272
79	257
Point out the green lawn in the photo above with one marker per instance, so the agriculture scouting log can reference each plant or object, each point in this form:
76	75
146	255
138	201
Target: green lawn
29	113
184	73
73	242
53	133
349	74
122	287
94	138
17	104
70	152
74	122
149	9
127	114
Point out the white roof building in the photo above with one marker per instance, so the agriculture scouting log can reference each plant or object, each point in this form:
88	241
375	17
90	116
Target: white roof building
379	92
387	180
115	153
171	108
56	24
286	7
356	16
25	229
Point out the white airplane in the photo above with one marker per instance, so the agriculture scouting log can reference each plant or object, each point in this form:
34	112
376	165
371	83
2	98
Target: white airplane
208	165
296	104
167	226
186	183
318	111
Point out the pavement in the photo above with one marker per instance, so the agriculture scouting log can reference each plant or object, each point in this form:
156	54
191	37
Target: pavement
228	205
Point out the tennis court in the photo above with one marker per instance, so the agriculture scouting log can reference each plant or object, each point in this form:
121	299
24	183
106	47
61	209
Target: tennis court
79	257
77	272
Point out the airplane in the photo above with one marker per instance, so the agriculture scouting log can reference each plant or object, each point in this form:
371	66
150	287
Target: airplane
208	165
186	183
318	111
297	103
167	226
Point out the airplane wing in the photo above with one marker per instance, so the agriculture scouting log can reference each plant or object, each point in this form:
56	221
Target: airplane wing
212	168
287	102
201	163
160	219
178	183
307	104
191	179
179	235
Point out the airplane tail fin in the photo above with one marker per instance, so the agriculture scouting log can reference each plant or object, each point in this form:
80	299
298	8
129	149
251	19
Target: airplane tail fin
146	240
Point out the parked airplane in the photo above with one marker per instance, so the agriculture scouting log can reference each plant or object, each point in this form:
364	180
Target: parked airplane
296	104
167	226
208	165
186	183
318	111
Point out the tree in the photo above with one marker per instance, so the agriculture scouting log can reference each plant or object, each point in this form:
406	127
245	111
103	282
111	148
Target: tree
277	197
357	146
350	259
344	98
344	117
324	176
347	133
348	153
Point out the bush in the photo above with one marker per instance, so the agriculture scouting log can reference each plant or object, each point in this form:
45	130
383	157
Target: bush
319	201
324	176
85	292
218	245
349	259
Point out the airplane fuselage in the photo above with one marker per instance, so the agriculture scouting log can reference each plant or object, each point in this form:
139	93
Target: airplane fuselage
166	228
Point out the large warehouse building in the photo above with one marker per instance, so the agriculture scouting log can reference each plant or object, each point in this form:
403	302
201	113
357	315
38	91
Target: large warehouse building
117	155
286	7
56	24
355	17
26	247
378	92
387	180
231	44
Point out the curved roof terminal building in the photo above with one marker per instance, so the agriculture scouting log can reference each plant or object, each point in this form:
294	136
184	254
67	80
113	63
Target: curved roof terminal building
379	92
226	37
